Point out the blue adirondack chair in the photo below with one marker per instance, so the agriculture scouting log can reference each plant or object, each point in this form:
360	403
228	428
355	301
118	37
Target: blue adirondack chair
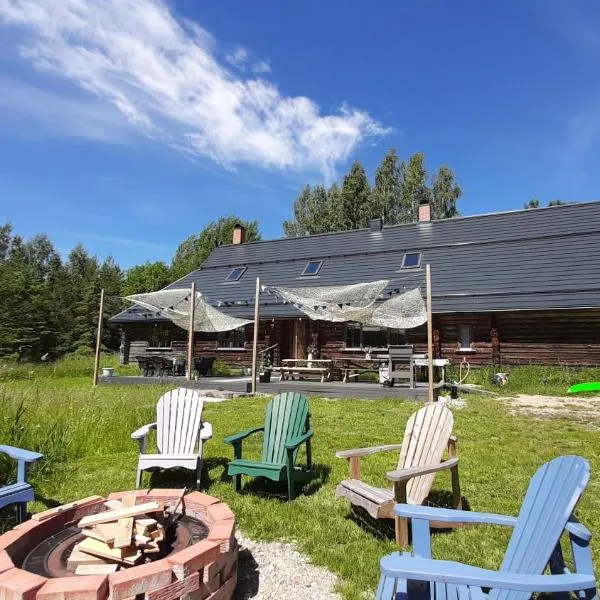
535	544
19	493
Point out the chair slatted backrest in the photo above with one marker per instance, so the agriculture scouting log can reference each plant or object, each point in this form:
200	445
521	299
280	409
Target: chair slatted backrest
178	420
551	498
425	440
286	417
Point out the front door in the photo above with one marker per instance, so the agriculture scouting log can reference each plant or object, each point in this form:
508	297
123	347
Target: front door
300	338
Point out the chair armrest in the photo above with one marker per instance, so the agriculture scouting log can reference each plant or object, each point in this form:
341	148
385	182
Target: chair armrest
404	474
142	432
20	454
578	530
295	442
453	439
449	515
367	451
445	571
242	435
207	431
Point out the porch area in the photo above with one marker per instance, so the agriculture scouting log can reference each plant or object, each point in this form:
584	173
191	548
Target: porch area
327	389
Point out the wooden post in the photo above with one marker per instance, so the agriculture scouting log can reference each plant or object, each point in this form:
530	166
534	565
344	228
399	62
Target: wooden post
98	338
255	339
190	356
429	335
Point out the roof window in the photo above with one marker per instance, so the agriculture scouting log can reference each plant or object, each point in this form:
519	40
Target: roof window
312	268
235	274
411	260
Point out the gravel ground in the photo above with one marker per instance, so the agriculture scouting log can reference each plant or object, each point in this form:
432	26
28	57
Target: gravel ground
272	570
576	408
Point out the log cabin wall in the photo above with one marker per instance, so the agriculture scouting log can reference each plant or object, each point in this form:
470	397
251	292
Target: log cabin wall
569	337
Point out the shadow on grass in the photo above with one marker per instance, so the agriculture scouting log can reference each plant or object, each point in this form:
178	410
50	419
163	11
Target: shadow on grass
383	529
308	484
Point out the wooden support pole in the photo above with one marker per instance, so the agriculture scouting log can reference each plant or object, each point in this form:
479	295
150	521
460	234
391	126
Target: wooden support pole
190	356
429	335
255	339
98	338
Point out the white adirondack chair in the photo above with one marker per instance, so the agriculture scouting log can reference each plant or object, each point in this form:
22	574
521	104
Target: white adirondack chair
180	434
427	435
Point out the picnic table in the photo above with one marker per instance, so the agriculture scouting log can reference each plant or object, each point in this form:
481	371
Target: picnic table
352	367
298	367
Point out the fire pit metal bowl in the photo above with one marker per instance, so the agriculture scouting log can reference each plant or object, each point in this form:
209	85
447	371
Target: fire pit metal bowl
200	560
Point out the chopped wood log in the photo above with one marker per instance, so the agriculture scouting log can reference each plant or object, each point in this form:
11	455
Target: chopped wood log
113	504
46	514
115	515
100	569
78	558
94	547
104	532
141	540
125	525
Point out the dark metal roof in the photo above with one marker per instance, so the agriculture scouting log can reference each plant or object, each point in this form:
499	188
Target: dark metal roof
545	258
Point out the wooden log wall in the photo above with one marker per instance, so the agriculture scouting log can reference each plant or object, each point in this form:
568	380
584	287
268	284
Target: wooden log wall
528	337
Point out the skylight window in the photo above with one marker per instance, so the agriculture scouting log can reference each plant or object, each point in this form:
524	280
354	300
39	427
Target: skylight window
411	260
235	274
312	267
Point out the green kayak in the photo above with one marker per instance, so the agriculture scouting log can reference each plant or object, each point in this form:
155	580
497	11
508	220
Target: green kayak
591	386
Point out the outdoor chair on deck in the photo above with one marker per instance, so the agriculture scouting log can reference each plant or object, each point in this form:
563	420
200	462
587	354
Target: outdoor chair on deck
401	365
204	365
145	365
21	492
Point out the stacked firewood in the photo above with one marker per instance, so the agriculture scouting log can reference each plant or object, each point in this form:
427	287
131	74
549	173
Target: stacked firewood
119	537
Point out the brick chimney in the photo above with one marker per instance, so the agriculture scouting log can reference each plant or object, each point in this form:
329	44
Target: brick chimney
239	234
424	212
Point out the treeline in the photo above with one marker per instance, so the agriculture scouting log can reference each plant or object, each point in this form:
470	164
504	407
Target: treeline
49	306
399	187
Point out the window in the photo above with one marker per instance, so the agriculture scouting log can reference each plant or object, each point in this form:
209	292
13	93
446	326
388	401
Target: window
411	260
465	333
235	274
358	338
312	267
233	340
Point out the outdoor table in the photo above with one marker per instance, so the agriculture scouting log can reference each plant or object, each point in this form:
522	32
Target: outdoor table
298	366
365	365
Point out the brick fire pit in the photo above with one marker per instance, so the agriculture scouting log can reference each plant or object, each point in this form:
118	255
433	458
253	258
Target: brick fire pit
202	570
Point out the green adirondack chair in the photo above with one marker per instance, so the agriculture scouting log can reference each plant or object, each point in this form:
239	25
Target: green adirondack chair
286	428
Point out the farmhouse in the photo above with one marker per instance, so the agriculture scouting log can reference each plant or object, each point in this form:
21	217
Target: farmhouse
515	287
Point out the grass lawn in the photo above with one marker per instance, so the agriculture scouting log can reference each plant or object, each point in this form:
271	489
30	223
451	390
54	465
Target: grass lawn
84	435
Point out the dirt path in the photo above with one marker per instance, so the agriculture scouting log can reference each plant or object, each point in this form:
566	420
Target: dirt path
572	407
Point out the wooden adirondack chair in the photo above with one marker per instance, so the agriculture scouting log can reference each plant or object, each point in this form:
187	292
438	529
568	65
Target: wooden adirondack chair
286	428
426	437
535	544
180	434
19	493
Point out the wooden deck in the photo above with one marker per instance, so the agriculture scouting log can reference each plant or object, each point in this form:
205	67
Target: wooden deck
328	389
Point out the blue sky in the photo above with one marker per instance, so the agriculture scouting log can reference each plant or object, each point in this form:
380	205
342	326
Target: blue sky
129	124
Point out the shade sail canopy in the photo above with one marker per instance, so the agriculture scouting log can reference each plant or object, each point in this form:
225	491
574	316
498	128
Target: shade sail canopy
175	305
357	302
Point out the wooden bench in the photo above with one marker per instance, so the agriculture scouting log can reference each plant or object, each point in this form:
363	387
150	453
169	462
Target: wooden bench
289	372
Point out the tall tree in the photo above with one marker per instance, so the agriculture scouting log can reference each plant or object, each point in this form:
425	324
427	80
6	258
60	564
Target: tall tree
533	203
445	193
414	187
149	277
311	212
193	251
355	198
387	192
334	208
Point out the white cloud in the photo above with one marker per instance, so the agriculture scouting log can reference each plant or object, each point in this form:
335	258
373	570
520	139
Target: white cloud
238	58
262	66
163	75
